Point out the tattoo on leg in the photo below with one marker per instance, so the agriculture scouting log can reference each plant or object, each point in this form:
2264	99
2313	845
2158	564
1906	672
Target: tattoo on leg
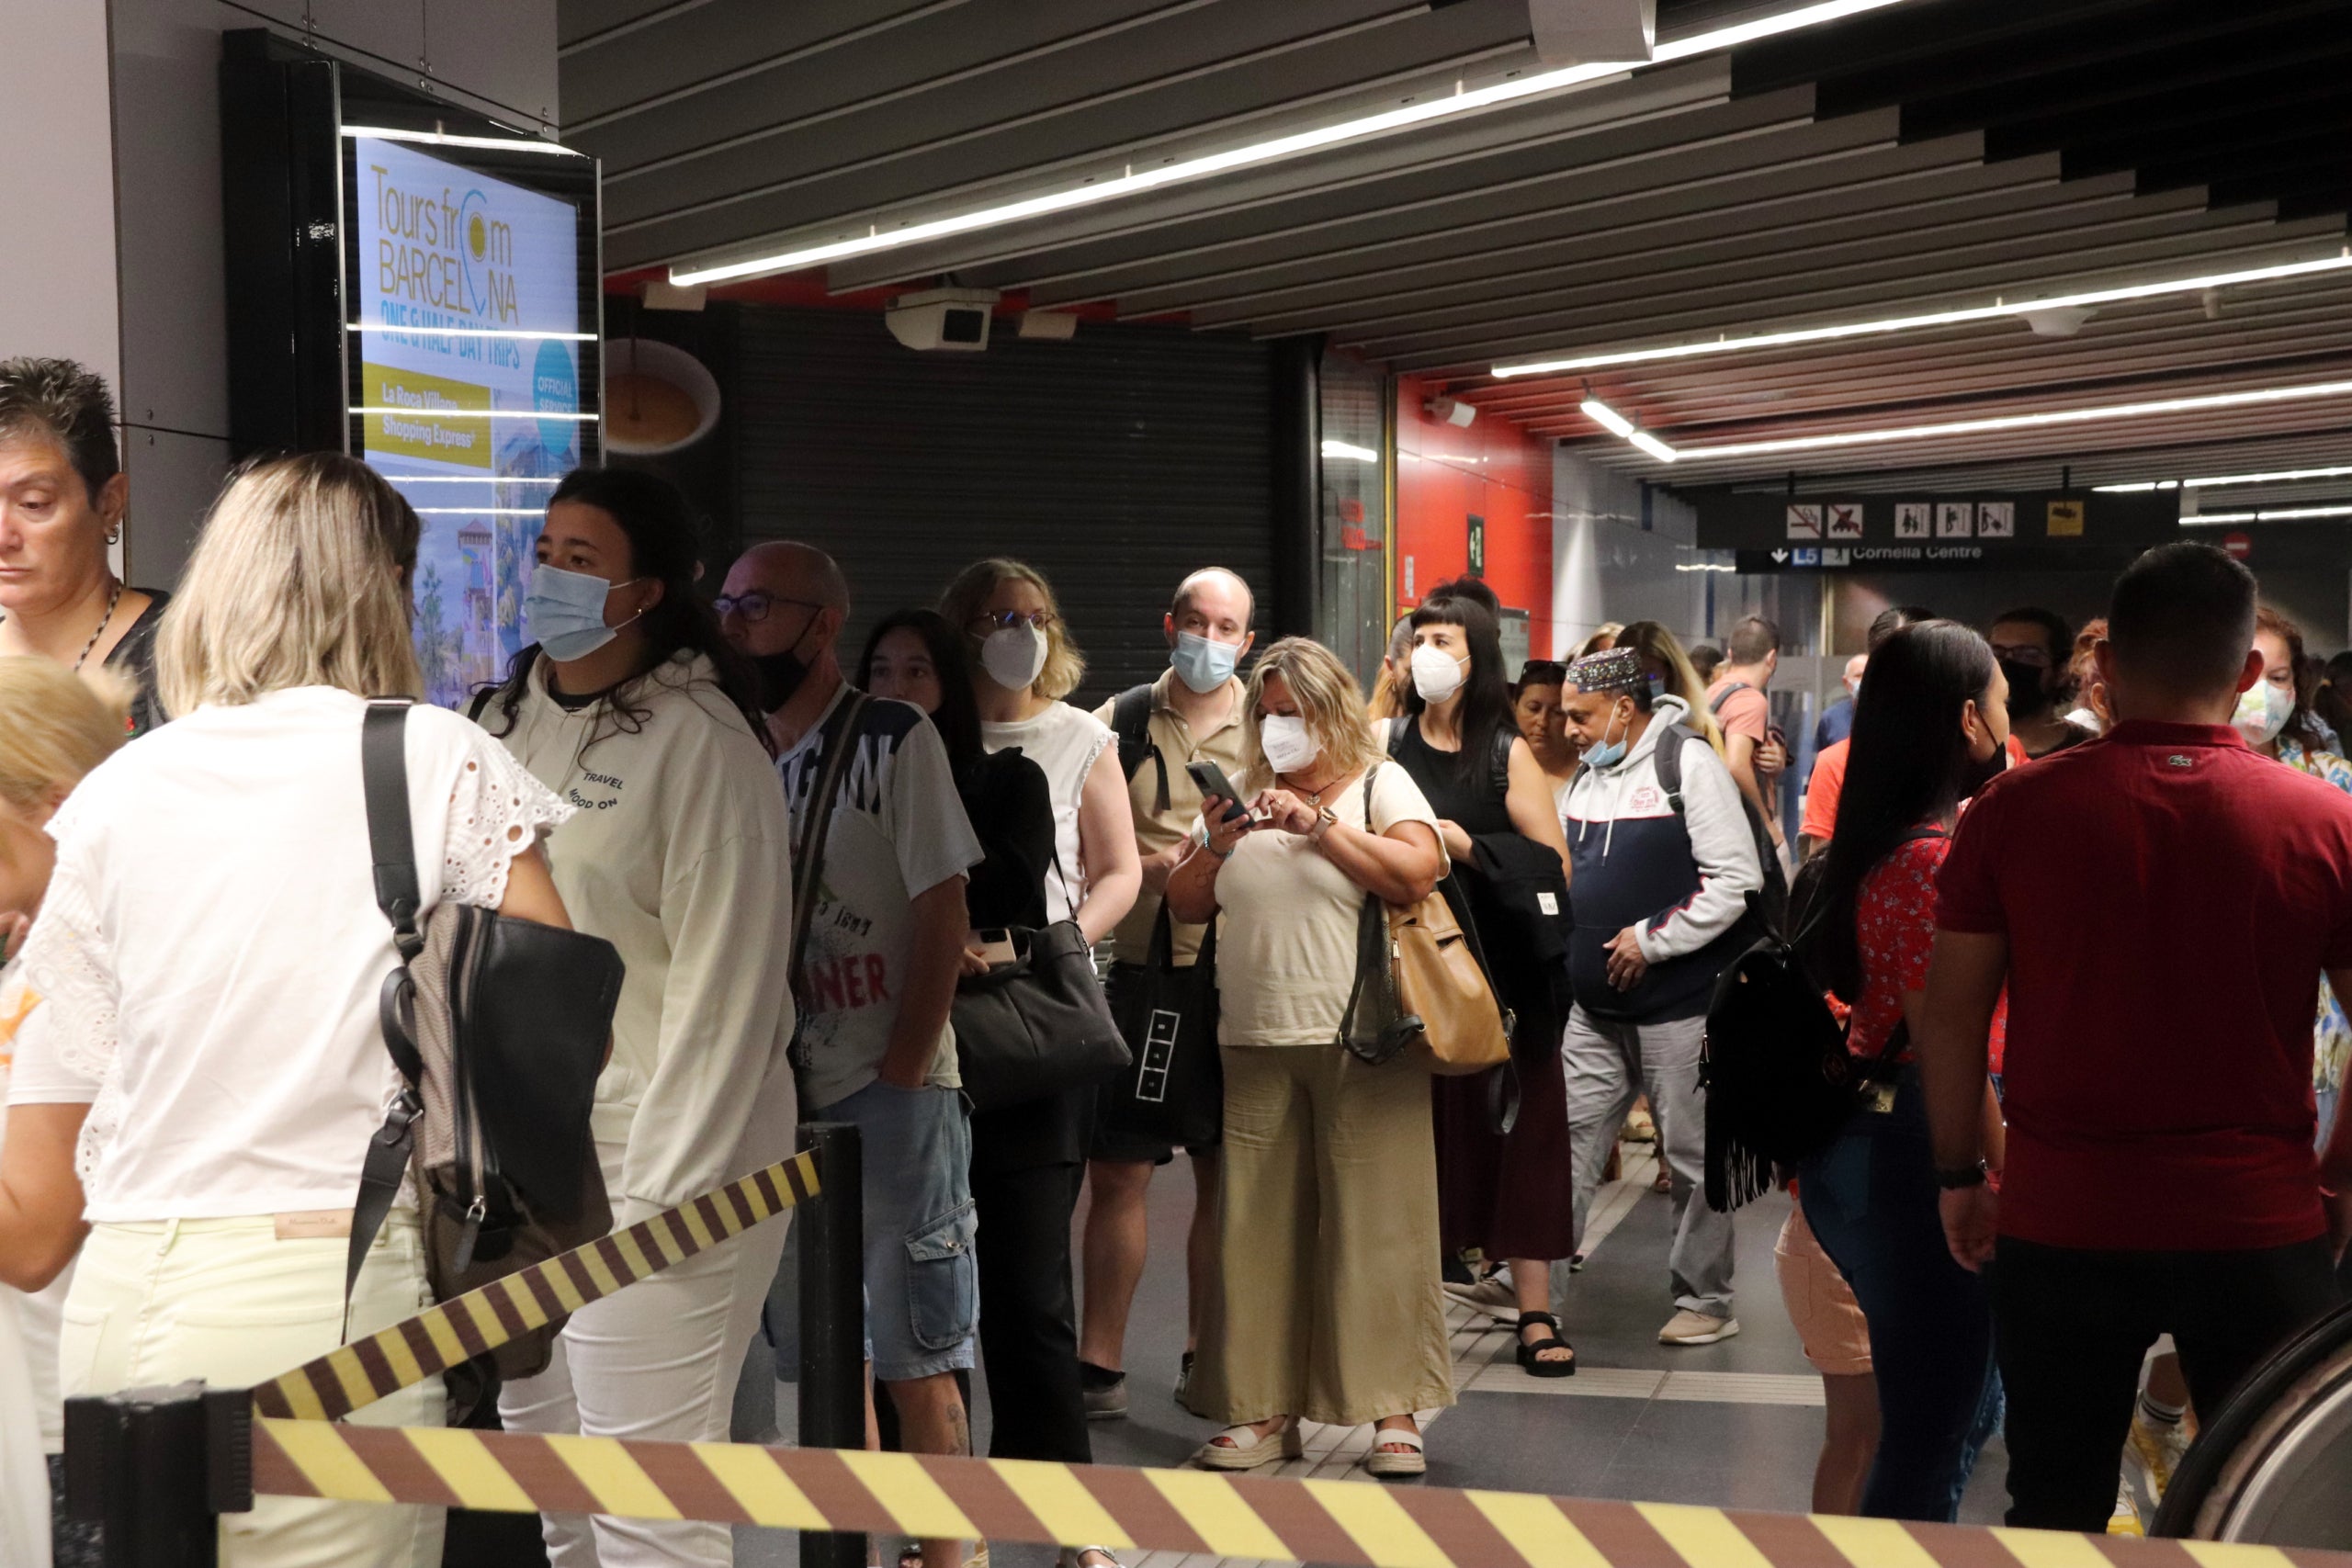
959	1429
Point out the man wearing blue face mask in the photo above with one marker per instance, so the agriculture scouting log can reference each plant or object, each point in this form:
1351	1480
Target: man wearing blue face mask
1663	860
1191	714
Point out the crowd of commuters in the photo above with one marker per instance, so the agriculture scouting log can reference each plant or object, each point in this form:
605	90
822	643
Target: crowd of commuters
804	858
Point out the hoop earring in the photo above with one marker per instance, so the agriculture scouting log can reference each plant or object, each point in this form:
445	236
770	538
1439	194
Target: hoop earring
113	535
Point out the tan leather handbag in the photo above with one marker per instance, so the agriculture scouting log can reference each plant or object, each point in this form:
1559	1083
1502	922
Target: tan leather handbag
1443	1007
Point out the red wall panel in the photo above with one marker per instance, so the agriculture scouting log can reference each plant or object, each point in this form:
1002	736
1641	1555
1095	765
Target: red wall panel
1445	475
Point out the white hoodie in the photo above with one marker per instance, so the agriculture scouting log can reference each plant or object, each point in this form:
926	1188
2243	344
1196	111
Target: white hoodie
678	854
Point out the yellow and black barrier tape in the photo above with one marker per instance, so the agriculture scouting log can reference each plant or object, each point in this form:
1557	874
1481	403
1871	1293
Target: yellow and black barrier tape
1191	1511
390	1359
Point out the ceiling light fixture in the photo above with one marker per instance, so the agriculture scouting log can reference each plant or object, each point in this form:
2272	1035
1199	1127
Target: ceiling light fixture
2020	422
1341	449
1654	446
1617	424
2283	476
442	138
2262	514
2000	307
1134	181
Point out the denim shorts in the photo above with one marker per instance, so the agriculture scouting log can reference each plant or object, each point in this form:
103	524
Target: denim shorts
922	1294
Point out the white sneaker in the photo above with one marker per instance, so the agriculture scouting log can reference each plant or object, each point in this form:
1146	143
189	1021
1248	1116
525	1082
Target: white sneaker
1687	1327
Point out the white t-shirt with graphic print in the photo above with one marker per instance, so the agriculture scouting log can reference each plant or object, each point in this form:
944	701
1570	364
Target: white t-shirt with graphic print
897	831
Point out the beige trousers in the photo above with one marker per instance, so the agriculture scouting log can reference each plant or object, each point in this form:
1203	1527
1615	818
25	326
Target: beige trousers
1330	1306
227	1302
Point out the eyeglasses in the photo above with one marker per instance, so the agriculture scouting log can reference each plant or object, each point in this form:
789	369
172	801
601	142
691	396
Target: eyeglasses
754	606
1005	620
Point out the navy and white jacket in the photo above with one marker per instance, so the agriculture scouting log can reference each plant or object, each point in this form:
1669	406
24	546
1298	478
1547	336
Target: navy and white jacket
1681	881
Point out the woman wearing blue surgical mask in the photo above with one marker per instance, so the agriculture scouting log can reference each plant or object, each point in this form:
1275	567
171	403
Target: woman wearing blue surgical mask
632	707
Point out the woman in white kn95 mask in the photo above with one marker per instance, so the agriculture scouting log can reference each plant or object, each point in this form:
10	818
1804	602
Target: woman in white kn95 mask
1025	663
1328	1305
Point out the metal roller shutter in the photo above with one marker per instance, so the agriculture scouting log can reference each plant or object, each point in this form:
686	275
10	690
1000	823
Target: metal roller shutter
1113	463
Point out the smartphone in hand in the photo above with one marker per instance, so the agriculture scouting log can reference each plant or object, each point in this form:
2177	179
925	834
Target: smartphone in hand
1210	779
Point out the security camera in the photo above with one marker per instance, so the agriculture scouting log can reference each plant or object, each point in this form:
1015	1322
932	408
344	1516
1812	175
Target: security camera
1449	411
942	319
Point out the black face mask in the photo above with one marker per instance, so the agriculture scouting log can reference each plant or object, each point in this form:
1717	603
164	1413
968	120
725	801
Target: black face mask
782	674
1976	775
2028	696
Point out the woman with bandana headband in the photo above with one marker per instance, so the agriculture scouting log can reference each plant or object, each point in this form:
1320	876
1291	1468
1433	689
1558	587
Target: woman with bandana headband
632	708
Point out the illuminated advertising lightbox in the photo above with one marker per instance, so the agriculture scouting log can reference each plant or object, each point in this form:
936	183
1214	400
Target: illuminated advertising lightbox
468	342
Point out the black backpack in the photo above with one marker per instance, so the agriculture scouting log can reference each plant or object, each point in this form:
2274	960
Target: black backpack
1769	907
1131	723
1778	1080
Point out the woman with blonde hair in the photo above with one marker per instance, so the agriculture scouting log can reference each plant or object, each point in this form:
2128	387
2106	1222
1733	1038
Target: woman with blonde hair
1025	663
1672	674
58	728
1330	1308
208	1056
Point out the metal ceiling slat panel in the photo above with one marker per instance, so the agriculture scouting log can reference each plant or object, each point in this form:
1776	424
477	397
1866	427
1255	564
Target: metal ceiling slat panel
2214	242
1449	151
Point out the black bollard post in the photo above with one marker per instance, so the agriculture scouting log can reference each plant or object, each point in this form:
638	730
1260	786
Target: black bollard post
832	1245
156	1467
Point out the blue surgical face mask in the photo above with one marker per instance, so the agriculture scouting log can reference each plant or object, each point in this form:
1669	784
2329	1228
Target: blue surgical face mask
1203	665
565	611
1607	753
1657	687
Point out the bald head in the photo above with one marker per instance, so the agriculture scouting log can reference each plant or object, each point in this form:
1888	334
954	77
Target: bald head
787	568
1220	584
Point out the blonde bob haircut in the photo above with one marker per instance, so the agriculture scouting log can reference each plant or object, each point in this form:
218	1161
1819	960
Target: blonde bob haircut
59	726
1329	699
1662	647
300	579
967	596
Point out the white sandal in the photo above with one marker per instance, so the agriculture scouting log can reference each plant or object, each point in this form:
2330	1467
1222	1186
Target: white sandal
1238	1447
1386	1465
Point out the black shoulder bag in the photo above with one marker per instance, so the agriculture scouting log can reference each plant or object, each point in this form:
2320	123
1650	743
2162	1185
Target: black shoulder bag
1038	1025
499	1027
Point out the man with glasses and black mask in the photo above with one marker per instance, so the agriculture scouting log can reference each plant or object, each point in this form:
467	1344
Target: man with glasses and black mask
881	848
2034	647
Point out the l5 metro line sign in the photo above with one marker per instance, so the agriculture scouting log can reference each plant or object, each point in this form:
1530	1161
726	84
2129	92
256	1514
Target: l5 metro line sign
1897	529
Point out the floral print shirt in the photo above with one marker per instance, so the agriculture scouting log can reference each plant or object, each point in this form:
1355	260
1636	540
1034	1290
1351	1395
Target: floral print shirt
2333	1038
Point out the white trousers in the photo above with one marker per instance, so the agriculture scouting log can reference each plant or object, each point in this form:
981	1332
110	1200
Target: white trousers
659	1359
227	1302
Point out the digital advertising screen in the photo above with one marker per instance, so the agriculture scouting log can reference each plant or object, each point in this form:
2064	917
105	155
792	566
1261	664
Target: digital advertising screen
471	335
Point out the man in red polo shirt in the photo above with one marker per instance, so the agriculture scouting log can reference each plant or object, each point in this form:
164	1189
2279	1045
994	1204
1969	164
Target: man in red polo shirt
2159	905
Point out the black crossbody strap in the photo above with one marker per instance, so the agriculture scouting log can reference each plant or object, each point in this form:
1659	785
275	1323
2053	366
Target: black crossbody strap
809	854
391	846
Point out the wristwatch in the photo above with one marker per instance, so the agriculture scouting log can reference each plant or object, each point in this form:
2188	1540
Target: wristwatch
1324	822
1966	1176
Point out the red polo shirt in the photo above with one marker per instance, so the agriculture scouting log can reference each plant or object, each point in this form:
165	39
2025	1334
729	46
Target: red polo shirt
2169	898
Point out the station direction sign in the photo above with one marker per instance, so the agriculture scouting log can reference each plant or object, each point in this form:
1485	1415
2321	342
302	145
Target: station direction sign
2009	531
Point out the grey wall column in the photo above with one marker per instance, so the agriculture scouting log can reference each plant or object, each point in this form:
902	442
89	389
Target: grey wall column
1298	483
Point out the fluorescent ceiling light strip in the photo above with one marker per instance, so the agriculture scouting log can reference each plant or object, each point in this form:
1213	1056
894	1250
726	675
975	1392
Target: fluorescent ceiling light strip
2283	476
2000	307
1654	446
1609	419
1341	449
1704	566
2021	421
2263	515
442	138
470	332
480	413
1134	182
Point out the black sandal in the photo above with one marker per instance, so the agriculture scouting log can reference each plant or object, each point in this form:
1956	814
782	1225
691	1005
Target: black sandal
1530	1355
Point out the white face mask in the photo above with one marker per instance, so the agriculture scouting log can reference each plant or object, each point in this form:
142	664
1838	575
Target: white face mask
1289	747
1437	674
1015	656
2263	711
